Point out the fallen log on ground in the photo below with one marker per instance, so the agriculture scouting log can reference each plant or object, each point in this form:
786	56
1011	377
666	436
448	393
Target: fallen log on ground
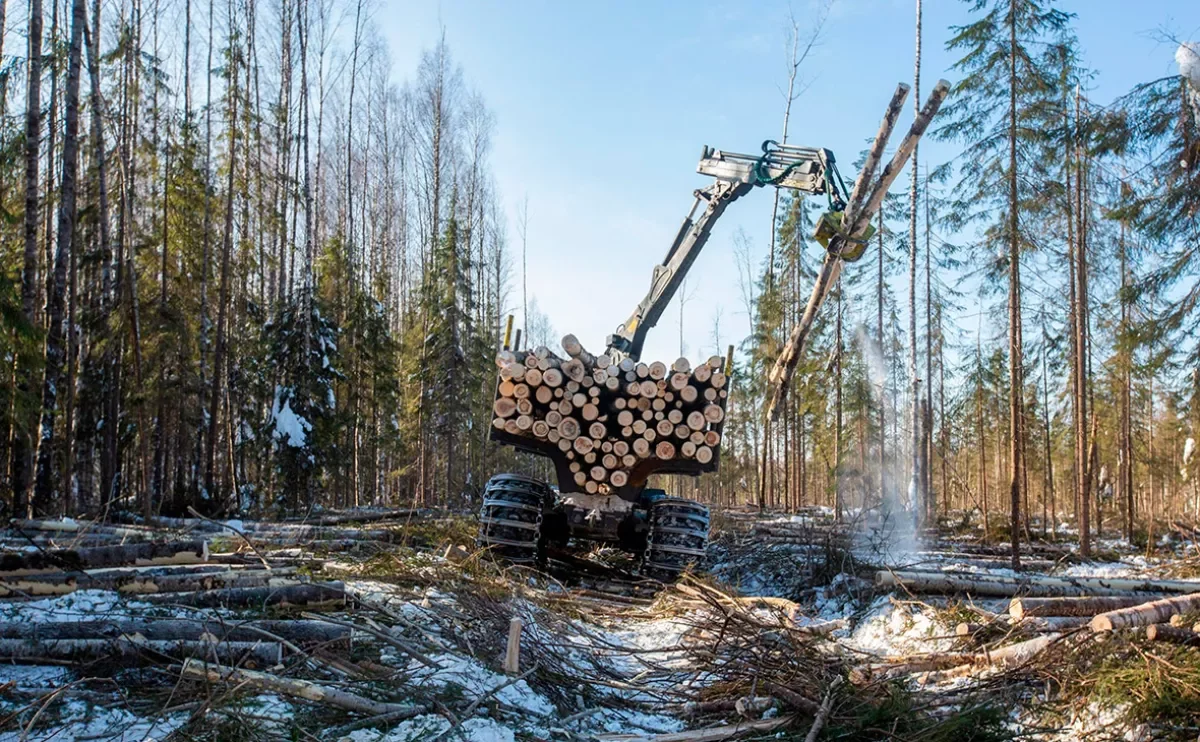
198	670
298	631
139	533
1027	585
171	552
1154	611
133	583
1075	606
313	595
1157	632
1029	623
262	653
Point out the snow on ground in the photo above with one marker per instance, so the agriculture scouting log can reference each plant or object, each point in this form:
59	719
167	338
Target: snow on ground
891	629
79	720
476	680
430	726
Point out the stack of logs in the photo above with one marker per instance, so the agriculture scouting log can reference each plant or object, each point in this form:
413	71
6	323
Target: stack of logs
613	423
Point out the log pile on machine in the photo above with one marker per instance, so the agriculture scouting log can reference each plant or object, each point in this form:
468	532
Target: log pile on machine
608	426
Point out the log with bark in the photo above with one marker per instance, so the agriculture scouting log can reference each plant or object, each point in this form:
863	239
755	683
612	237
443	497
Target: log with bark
258	653
1152	612
609	427
313	595
172	552
298	631
1088	606
917	581
215	673
134	583
1158	632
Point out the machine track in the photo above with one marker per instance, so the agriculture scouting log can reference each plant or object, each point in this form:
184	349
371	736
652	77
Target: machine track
677	538
510	521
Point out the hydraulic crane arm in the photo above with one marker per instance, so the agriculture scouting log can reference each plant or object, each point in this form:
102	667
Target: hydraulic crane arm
803	169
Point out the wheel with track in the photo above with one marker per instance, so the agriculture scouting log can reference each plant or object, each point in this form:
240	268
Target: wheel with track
677	538
510	521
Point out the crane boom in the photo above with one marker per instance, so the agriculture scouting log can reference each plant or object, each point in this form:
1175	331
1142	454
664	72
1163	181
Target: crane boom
804	169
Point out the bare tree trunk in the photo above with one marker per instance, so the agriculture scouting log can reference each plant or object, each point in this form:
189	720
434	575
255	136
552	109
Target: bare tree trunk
223	299
1016	362
55	352
22	453
916	482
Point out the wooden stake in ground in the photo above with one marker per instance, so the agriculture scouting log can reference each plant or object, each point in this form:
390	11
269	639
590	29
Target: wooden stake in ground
512	653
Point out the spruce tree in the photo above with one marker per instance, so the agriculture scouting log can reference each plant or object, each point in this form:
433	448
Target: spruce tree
997	112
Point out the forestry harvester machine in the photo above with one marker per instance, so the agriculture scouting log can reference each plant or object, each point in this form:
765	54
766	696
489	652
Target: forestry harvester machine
608	422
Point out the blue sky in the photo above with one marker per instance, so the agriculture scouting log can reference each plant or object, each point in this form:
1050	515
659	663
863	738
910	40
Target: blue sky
602	110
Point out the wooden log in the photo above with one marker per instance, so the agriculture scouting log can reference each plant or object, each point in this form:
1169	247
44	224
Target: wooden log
696	420
198	670
702	373
317	594
641	448
597	430
1089	606
582	445
544	395
689	394
619	478
678	381
687	449
712	438
599	473
524	407
665	450
1052	623
658	370
165	629
664	428
552	377
256	653
1154	611
533	377
681	366
541	429
713	413
568	428
648	389
1019	653
1034	586
66	583
1157	632
172	552
575	349
574	370
704	454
